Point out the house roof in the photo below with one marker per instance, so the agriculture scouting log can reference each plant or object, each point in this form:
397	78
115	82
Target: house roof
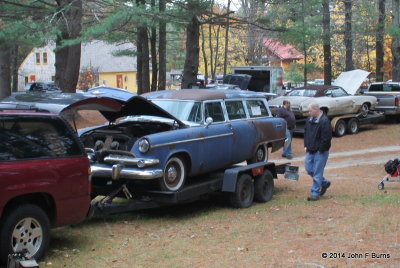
99	54
283	51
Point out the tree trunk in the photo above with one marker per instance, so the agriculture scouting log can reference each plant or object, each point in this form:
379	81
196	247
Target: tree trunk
14	68
326	25
348	39
145	60
5	74
396	41
380	33
203	50
68	58
162	50
139	68
153	45
191	66
226	39
216	57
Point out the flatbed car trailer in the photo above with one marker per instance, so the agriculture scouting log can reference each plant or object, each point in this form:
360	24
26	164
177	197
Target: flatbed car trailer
345	124
243	184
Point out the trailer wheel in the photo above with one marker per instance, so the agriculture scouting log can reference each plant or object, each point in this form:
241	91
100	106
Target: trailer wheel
174	175
340	128
261	155
25	227
381	186
244	194
264	187
353	126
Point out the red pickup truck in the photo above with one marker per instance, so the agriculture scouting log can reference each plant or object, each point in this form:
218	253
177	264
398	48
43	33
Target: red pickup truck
44	180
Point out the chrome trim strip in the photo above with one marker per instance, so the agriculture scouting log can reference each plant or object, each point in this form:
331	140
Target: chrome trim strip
102	170
191	140
126	160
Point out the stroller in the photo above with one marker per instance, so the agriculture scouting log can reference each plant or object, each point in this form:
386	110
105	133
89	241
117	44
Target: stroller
392	168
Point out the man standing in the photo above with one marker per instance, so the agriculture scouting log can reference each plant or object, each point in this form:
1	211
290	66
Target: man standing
317	142
286	113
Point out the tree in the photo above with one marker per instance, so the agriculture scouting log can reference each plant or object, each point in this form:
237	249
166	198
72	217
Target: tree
380	34
348	35
396	39
326	28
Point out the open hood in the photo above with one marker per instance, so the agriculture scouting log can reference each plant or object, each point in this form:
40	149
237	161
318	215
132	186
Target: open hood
241	80
351	80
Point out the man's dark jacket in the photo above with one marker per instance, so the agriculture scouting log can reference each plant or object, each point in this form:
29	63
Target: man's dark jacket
318	134
288	116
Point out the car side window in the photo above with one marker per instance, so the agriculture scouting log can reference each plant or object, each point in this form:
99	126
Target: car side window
256	108
29	138
235	110
214	110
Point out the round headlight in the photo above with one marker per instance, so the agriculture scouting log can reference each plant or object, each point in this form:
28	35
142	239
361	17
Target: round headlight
144	146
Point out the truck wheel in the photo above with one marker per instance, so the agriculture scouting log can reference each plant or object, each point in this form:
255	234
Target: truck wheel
174	175
264	187
364	110
261	155
340	128
25	227
244	194
353	126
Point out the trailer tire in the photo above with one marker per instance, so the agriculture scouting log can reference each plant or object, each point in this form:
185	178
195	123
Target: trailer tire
353	126
25	227
244	194
264	187
340	128
174	175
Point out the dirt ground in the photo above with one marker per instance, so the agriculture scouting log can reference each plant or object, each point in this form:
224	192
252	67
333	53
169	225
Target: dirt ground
353	225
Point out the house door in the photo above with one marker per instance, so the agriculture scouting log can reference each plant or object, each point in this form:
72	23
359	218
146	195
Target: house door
32	78
120	83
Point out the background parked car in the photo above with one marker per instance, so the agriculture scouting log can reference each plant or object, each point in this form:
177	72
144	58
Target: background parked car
42	87
44	180
333	100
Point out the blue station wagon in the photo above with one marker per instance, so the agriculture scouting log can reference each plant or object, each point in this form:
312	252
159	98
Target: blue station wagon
170	136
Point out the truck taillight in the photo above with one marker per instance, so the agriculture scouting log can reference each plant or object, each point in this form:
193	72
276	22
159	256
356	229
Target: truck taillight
396	101
280	83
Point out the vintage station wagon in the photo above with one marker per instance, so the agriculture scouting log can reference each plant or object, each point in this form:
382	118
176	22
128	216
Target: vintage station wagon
168	136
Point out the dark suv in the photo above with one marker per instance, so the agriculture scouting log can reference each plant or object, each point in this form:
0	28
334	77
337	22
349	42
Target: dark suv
44	180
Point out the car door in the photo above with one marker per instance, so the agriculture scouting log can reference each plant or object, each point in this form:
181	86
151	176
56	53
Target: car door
341	102
217	137
243	130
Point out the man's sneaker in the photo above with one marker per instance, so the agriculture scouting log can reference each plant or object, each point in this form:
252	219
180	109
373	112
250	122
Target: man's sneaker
283	155
313	198
324	188
289	157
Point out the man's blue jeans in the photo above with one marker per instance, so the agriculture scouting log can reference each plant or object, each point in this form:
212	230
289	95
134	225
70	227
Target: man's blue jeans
315	164
287	150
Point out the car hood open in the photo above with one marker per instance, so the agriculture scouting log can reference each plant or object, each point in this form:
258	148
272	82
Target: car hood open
351	80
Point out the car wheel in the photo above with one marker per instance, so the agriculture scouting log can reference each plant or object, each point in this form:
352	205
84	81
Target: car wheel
244	194
261	155
264	187
25	228
353	126
340	128
364	110
174	175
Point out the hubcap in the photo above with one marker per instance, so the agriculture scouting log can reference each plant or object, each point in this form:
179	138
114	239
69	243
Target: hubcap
27	235
260	154
172	174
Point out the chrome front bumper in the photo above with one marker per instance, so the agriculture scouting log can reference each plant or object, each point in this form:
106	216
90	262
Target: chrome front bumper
118	171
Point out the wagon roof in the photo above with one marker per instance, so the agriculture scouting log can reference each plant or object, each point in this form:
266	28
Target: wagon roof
202	94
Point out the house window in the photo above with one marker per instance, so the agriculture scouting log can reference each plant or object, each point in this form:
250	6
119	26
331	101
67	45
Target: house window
37	58
44	57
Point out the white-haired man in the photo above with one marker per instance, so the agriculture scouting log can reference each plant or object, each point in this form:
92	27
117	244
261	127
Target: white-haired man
317	142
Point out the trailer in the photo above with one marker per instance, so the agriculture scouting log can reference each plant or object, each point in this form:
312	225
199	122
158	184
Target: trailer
345	124
242	185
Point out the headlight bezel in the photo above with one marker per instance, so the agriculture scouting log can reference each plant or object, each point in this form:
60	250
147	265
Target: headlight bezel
144	145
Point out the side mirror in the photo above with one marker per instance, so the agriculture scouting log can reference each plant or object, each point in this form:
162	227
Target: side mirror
209	121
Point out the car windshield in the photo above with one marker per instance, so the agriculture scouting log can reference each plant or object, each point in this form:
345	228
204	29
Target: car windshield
302	92
186	111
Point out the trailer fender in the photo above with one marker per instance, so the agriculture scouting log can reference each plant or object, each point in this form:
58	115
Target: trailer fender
231	175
